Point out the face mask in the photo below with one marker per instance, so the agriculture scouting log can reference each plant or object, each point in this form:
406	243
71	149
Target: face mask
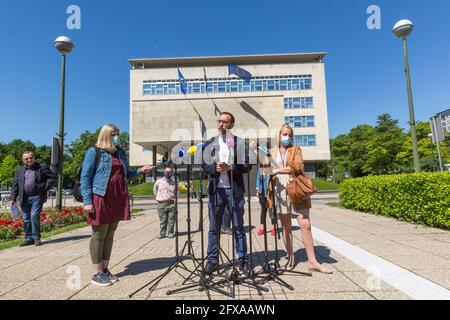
115	140
167	175
286	141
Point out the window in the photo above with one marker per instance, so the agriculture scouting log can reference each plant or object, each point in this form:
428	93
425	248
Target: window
221	87
171	89
145	149
299	103
159	89
300	121
196	87
305	140
234	84
258	86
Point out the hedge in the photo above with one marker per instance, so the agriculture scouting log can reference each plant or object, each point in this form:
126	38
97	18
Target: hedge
422	198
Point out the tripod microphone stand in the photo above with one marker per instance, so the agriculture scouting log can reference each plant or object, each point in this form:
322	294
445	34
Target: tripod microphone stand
250	275
236	278
178	263
208	282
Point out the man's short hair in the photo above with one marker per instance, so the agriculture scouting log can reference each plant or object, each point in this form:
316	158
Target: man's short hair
229	114
28	152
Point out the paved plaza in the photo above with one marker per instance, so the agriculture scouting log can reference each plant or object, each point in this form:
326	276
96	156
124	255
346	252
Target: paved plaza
372	257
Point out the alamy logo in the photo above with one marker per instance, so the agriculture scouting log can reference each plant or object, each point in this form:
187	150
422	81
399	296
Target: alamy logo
74	20
73	282
374	20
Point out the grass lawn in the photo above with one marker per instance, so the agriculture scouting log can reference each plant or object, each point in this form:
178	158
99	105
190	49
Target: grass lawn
326	186
146	189
13	243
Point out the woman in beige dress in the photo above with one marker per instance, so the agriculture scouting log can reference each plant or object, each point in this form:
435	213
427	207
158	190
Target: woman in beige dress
290	162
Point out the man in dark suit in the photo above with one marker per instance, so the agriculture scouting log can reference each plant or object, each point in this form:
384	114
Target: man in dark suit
225	162
29	189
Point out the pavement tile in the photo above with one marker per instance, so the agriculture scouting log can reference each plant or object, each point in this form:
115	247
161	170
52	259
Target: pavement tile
434	247
358	295
390	295
5	287
41	290
419	262
368	281
440	277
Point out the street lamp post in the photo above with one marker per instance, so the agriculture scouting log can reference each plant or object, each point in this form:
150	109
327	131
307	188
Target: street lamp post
402	29
64	45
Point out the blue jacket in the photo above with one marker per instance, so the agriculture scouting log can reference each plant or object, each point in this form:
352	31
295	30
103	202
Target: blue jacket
96	182
262	184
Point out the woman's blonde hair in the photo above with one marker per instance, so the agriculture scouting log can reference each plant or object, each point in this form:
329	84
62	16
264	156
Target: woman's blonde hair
284	126
104	140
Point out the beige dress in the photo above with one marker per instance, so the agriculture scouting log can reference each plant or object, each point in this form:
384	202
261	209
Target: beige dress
282	201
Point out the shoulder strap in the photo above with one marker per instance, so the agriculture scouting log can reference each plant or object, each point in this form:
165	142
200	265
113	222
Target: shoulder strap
291	151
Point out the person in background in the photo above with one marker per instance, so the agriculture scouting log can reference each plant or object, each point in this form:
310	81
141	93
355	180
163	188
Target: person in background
30	185
165	193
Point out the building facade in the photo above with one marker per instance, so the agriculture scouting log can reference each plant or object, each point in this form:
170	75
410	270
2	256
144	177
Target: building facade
444	116
284	88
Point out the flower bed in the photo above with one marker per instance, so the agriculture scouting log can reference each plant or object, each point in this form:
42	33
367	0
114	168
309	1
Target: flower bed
51	219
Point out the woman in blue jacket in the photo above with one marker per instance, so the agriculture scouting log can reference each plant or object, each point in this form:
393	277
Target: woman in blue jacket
104	189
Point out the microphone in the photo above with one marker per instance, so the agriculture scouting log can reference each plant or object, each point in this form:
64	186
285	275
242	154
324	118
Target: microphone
201	145
192	150
265	152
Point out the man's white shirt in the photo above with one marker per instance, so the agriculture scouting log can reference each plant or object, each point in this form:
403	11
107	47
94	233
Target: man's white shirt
224	157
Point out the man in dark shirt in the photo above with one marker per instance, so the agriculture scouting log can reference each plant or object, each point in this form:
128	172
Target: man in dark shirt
30	186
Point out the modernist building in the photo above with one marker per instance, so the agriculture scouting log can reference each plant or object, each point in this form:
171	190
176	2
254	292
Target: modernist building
284	88
444	117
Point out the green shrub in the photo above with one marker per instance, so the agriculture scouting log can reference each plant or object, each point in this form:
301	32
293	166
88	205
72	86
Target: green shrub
422	198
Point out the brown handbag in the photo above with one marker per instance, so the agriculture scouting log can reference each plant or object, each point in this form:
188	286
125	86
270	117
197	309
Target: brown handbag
300	187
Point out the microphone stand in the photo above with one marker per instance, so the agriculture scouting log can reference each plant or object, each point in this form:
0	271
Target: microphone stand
207	283
178	263
235	275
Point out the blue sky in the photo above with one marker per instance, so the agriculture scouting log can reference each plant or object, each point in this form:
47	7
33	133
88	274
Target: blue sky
364	68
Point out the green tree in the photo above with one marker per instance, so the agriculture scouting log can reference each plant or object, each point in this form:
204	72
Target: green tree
3	151
8	167
18	146
44	154
384	146
74	154
358	155
427	151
